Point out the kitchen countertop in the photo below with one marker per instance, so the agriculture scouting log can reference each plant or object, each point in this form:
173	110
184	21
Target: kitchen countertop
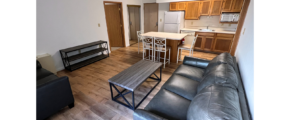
171	36
215	31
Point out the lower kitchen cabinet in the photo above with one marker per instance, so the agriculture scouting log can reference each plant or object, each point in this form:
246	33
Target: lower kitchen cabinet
222	44
198	43
213	42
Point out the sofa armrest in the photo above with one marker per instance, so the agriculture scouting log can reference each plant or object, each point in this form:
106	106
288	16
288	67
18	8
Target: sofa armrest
196	62
38	65
140	114
53	96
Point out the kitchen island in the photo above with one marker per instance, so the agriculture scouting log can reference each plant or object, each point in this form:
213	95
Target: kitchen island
172	40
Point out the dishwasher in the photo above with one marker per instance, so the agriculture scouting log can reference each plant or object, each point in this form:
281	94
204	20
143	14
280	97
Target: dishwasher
190	36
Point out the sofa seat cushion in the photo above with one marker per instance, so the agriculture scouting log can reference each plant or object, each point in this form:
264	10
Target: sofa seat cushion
215	102
190	72
223	58
168	105
182	86
42	73
46	79
220	74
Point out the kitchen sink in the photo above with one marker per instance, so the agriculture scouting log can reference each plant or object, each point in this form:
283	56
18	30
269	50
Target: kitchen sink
207	30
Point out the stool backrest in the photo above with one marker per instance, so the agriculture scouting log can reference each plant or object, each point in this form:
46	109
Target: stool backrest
159	44
147	42
193	42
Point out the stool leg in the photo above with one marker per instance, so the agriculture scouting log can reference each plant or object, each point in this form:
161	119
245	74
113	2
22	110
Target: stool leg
177	56
169	56
164	58
138	46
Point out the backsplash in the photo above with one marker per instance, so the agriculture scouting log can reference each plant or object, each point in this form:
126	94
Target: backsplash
211	21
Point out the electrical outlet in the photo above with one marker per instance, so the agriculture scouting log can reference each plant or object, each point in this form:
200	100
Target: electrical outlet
230	24
99	25
160	20
244	31
222	24
191	23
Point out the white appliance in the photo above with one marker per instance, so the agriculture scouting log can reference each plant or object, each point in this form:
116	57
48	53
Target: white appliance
173	21
230	17
190	36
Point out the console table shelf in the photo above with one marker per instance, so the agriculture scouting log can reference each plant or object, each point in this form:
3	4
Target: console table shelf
99	51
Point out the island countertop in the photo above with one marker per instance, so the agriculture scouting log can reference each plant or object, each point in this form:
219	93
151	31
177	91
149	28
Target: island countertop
215	31
171	36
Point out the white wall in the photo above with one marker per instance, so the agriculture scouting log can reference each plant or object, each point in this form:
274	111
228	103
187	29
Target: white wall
67	23
161	9
245	56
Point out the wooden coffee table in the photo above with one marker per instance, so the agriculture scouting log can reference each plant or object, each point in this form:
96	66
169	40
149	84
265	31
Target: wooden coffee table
132	78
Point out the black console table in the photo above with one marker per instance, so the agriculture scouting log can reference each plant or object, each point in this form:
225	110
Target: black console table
83	55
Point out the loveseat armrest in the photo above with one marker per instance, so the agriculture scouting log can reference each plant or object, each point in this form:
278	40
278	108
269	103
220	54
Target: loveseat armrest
140	114
196	62
37	64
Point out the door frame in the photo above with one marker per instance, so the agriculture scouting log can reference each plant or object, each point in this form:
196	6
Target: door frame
157	14
239	27
122	18
139	6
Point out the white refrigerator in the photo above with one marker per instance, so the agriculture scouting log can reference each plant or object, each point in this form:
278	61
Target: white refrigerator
173	21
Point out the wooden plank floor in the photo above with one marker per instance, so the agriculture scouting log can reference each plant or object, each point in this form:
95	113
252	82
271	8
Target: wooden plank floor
91	88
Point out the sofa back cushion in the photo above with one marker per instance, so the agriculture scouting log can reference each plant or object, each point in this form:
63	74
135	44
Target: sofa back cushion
224	58
215	102
220	74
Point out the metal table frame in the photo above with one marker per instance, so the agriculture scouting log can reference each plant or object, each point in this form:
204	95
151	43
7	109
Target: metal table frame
122	94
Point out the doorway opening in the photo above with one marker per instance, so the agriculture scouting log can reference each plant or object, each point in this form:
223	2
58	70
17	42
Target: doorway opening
115	24
134	22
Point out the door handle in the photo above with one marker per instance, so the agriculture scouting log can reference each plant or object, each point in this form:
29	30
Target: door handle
130	23
156	23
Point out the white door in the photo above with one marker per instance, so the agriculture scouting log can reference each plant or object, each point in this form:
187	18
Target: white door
172	28
172	17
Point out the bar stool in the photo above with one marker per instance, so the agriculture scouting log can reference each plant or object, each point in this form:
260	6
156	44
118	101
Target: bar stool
187	47
139	39
160	46
148	45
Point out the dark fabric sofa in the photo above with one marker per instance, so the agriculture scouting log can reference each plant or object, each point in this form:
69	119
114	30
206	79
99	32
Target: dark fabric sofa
53	93
200	90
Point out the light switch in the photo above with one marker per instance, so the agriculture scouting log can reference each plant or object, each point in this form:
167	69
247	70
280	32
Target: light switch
230	24
244	31
99	25
160	20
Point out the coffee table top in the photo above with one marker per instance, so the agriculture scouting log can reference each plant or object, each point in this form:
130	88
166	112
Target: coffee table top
135	75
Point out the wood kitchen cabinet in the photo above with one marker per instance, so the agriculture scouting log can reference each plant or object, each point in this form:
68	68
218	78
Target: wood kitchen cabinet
213	42
192	10
216	7
223	43
175	6
232	5
205	7
204	41
237	5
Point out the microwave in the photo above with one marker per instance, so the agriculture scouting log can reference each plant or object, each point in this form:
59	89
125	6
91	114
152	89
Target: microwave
230	17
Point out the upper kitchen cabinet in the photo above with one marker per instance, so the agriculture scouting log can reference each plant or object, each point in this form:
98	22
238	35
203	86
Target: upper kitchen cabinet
177	6
232	5
192	10
237	5
204	7
216	6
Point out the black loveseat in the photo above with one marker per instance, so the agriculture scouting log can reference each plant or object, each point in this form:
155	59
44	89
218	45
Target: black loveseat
200	90
53	93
